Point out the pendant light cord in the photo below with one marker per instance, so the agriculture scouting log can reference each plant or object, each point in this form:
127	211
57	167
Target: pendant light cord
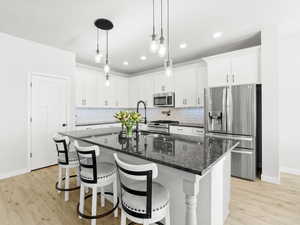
168	28
153	14
107	47
161	18
97	40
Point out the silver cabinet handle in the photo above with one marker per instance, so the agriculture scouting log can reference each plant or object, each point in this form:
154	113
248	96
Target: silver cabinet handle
227	78
233	78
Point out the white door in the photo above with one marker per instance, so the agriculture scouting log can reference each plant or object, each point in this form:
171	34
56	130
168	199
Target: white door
49	116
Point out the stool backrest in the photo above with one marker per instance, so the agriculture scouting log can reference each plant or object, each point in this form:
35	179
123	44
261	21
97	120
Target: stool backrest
87	162
62	146
146	172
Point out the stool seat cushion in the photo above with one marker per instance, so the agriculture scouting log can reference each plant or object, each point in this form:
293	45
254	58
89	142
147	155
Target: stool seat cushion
72	157
104	170
160	197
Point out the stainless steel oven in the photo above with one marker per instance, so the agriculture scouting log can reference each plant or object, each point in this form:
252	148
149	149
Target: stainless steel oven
164	99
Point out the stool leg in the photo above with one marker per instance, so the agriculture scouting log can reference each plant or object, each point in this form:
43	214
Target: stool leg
81	201
67	184
167	218
102	196
78	176
94	205
123	217
59	177
115	192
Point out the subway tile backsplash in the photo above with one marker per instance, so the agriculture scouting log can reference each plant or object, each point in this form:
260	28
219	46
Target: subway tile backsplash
187	115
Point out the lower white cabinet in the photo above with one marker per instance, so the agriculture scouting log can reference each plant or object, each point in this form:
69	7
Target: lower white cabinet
192	131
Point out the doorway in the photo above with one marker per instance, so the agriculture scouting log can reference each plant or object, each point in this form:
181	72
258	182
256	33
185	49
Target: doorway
48	115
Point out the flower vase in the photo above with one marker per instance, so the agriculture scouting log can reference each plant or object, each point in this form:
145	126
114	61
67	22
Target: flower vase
129	132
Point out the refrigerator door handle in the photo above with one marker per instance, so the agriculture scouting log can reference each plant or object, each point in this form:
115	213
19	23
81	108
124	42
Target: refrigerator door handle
242	152
224	114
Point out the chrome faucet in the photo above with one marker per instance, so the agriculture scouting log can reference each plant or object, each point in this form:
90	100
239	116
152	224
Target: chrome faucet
137	110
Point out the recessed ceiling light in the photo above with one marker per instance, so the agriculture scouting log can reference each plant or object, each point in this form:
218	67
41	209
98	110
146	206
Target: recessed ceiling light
125	63
217	35
143	57
183	45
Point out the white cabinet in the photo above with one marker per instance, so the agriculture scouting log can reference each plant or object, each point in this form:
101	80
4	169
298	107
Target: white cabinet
91	90
234	68
190	82
86	87
192	131
163	83
134	91
146	85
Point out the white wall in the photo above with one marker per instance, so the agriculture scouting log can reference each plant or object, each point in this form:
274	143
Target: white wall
289	103
18	58
269	80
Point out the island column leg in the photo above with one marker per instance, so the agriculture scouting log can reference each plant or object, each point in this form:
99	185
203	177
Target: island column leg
191	190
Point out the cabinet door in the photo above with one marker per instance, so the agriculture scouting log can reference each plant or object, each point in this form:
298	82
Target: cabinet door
218	70
163	83
134	91
245	67
123	92
185	86
201	74
147	89
80	89
87	86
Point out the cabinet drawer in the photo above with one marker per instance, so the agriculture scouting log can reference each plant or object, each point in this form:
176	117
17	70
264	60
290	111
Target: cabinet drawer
187	130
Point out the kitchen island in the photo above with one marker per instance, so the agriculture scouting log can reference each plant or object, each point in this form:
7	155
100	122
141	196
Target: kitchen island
195	170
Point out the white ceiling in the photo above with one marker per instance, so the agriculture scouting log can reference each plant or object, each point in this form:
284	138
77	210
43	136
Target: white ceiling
68	24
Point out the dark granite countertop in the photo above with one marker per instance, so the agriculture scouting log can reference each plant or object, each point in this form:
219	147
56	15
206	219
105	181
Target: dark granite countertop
96	123
188	153
195	125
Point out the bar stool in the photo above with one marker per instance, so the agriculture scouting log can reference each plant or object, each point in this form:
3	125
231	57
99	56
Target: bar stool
67	159
143	201
95	174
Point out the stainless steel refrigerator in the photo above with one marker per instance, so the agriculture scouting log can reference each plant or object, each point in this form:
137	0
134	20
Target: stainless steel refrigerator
235	112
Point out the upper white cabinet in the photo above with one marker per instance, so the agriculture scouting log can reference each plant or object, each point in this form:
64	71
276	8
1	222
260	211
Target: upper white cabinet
146	85
91	90
133	91
162	83
234	68
190	82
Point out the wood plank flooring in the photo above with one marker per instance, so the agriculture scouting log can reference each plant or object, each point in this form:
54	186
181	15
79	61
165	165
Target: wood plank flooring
31	199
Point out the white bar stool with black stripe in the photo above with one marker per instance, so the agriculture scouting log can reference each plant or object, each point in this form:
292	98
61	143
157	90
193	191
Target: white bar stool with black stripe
95	174
67	159
143	201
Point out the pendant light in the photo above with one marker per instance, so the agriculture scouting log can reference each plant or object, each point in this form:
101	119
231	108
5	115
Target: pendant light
162	47
168	62
106	25
98	56
153	45
106	66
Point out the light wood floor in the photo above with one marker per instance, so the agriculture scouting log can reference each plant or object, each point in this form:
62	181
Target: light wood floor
31	199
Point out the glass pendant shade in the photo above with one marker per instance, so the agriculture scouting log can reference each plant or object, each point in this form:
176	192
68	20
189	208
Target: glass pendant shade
98	57
169	68
106	69
107	83
162	50
154	46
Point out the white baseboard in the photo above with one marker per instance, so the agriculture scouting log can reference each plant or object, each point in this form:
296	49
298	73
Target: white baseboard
13	173
273	180
289	170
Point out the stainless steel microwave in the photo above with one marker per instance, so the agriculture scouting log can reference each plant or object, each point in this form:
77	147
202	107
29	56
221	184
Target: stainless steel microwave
164	99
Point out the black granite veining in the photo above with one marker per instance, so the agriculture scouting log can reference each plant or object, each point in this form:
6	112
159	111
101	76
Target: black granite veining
96	123
195	125
189	153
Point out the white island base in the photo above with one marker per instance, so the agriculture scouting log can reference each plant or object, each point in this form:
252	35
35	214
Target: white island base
194	199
